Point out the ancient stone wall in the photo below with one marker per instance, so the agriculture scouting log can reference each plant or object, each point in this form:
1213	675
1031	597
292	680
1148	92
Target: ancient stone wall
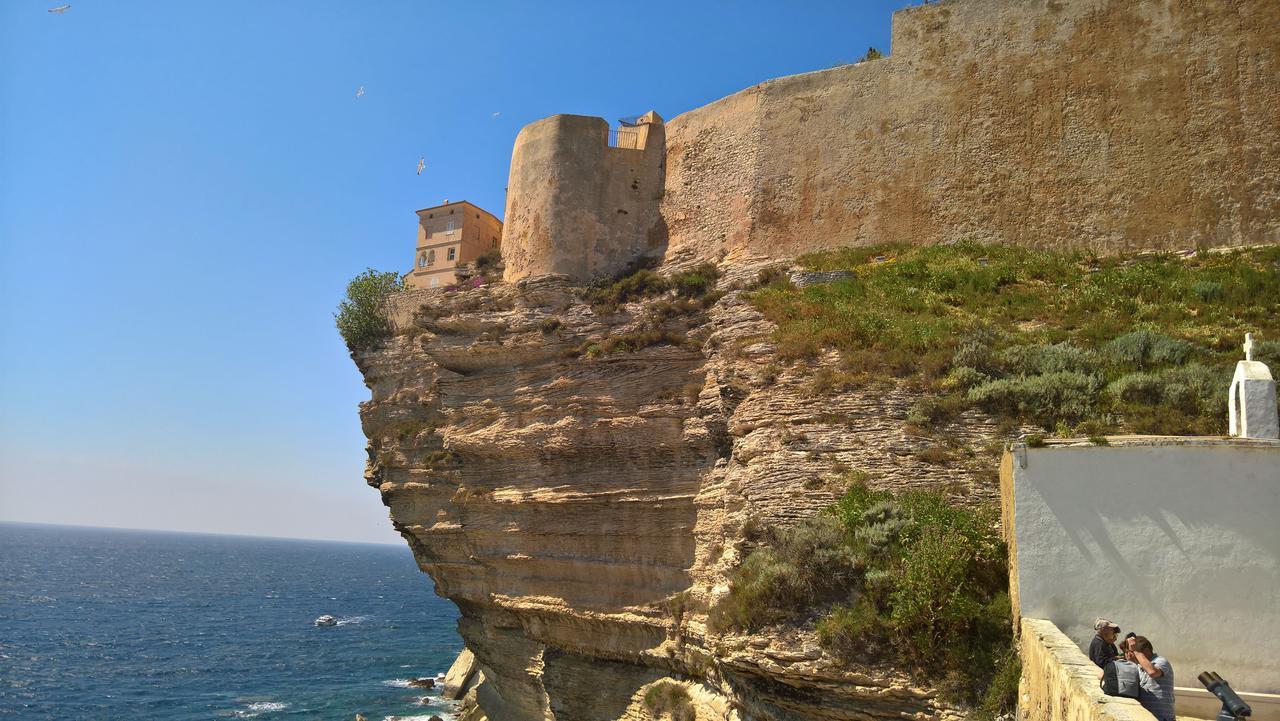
1108	124
579	207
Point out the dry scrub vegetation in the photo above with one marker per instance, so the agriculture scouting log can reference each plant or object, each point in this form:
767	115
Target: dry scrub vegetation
1074	343
909	579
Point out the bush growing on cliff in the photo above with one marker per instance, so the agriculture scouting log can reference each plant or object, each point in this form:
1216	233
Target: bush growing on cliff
696	283
916	581
362	317
670	699
642	283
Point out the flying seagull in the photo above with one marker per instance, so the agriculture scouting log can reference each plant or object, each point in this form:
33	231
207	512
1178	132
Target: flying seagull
422	163
60	9
497	114
360	92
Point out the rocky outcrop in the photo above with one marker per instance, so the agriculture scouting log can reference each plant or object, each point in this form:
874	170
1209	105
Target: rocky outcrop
584	508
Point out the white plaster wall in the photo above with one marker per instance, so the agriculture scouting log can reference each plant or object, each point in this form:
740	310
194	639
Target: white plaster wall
1177	541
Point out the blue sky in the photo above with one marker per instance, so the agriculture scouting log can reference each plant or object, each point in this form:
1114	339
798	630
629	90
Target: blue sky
186	187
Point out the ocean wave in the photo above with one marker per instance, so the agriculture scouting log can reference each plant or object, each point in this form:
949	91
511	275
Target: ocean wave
398	682
419	717
260	707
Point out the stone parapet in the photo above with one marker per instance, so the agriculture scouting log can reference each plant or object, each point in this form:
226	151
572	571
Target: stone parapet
1060	683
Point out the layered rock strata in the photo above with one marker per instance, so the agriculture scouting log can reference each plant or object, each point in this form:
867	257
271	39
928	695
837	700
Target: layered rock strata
584	508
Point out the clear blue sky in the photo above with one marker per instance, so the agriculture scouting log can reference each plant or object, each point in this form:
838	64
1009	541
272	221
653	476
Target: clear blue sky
186	187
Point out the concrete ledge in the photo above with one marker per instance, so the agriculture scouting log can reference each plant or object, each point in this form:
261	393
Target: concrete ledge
1197	703
1060	683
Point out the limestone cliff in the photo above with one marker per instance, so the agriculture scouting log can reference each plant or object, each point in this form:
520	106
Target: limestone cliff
582	480
583	509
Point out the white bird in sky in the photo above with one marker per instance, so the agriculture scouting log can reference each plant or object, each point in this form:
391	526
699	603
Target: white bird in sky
360	92
497	114
422	163
60	9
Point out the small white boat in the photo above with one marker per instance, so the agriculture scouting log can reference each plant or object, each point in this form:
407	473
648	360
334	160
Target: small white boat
326	620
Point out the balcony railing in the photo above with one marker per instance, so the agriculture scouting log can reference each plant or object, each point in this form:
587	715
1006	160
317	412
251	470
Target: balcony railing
629	139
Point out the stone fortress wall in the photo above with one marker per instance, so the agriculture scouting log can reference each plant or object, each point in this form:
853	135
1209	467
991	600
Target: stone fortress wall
1113	125
578	205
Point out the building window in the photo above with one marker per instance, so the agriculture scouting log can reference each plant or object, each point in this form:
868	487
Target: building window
452	253
422	260
449	228
493	242
431	257
435	282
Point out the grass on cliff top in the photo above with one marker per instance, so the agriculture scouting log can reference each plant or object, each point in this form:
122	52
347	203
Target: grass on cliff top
687	295
1068	341
907	579
638	284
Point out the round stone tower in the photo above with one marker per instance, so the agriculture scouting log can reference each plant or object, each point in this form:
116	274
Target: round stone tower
583	200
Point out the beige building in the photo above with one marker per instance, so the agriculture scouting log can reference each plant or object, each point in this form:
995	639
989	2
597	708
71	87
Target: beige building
448	236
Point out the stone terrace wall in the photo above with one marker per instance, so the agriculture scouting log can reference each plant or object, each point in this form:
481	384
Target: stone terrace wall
1109	124
1060	683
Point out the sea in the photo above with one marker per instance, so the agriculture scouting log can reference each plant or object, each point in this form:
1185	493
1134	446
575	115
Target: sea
107	624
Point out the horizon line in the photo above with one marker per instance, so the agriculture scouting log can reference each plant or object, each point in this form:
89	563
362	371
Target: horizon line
223	534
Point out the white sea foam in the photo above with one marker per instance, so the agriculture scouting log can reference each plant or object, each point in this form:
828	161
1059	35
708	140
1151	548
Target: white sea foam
397	682
353	619
260	707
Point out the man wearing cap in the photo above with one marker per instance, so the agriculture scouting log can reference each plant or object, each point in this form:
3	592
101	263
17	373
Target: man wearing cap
1103	646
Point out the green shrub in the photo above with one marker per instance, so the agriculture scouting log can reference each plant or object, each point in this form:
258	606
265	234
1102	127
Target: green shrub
1173	401
854	631
870	54
362	318
1066	396
1038	359
804	565
550	325
488	261
630	342
1207	290
410	428
963	378
1192	389
1147	348
668	698
697	282
640	284
1267	351
775	275
1001	697
923	583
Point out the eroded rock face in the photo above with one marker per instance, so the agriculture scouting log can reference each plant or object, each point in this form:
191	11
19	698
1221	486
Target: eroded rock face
584	509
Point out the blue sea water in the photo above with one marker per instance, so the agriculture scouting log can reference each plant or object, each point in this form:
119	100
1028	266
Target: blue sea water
139	625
